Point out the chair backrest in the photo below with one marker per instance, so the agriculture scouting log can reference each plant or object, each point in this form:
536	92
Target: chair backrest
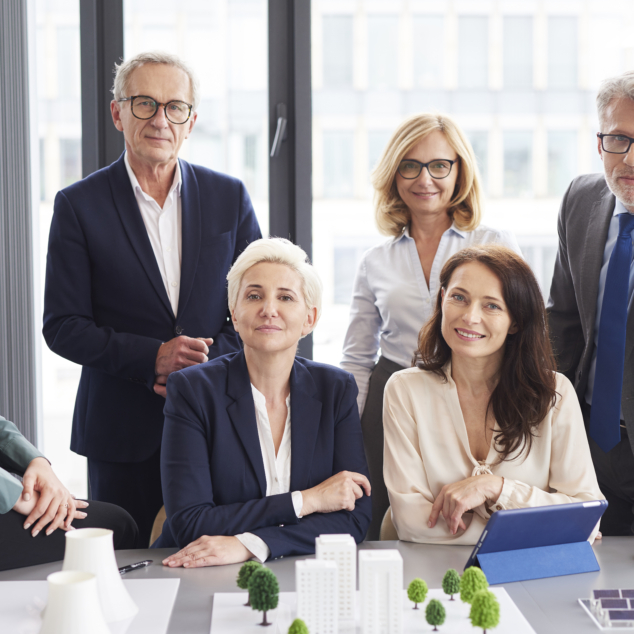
157	527
388	532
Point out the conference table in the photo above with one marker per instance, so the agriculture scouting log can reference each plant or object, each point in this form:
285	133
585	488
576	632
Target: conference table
550	605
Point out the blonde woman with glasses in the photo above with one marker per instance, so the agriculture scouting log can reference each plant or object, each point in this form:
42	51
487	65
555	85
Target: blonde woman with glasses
428	200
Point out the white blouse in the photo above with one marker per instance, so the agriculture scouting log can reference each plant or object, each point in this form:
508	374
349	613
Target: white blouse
391	300
277	468
427	447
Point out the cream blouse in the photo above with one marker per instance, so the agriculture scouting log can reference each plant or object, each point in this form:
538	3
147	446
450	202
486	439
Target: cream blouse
426	447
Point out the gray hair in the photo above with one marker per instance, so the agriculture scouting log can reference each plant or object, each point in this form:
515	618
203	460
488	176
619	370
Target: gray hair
278	251
124	70
614	88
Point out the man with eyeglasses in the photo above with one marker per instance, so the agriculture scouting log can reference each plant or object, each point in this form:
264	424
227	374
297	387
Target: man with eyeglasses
590	315
136	280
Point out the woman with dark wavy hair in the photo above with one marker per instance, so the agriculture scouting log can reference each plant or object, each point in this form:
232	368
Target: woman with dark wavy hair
482	422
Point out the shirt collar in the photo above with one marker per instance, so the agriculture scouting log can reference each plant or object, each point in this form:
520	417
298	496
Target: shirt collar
619	208
453	229
176	183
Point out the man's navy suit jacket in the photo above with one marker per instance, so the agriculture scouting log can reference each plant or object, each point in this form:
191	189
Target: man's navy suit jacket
212	469
106	307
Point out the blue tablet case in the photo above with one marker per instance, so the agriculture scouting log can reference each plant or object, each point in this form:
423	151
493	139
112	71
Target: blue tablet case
538	542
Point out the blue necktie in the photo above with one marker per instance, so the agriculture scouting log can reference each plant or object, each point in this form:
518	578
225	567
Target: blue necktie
605	415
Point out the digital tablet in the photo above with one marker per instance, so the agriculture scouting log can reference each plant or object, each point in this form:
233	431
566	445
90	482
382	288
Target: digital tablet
538	526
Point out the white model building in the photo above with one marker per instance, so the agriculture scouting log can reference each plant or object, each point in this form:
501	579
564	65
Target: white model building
316	585
341	549
381	585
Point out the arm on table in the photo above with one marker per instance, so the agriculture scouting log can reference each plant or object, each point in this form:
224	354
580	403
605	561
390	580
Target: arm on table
361	345
349	457
572	475
69	326
188	489
411	498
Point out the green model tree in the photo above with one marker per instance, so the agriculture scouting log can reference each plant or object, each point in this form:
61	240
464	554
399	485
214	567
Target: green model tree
417	591
451	583
263	591
472	580
485	610
298	627
244	575
435	613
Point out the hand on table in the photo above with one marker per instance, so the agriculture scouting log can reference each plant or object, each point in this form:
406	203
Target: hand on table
176	354
45	500
337	493
214	550
456	499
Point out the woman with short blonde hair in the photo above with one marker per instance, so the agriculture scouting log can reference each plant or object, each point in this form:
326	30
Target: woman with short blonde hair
262	449
428	200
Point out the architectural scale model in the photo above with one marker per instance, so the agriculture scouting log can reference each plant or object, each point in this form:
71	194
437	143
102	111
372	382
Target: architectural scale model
317	584
341	549
613	608
381	586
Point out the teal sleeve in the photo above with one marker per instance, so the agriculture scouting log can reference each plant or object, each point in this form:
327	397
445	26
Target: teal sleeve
16	452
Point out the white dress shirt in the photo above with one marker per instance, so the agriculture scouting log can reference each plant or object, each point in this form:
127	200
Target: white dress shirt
391	300
613	234
427	447
277	468
164	230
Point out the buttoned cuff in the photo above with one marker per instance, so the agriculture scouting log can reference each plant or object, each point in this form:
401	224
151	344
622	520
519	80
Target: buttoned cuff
504	501
256	545
298	502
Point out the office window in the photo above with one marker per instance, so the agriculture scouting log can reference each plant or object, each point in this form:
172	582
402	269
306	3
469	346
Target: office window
383	48
562	160
338	164
377	140
473	51
480	143
518	163
518	52
68	68
337	48
346	263
70	161
429	50
562	52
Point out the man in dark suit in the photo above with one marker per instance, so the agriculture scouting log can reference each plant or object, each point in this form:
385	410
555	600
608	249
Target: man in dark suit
591	322
135	280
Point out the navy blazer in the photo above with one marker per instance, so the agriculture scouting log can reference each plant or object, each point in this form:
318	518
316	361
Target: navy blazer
106	307
211	461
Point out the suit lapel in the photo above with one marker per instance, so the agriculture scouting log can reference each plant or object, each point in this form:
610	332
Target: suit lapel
305	419
242	415
592	258
190	206
128	210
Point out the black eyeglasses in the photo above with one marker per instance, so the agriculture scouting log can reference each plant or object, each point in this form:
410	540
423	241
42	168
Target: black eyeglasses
615	143
438	168
144	107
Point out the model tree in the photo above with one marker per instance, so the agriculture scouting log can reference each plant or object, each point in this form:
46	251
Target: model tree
472	580
417	591
244	575
485	610
263	591
435	613
298	627
451	583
